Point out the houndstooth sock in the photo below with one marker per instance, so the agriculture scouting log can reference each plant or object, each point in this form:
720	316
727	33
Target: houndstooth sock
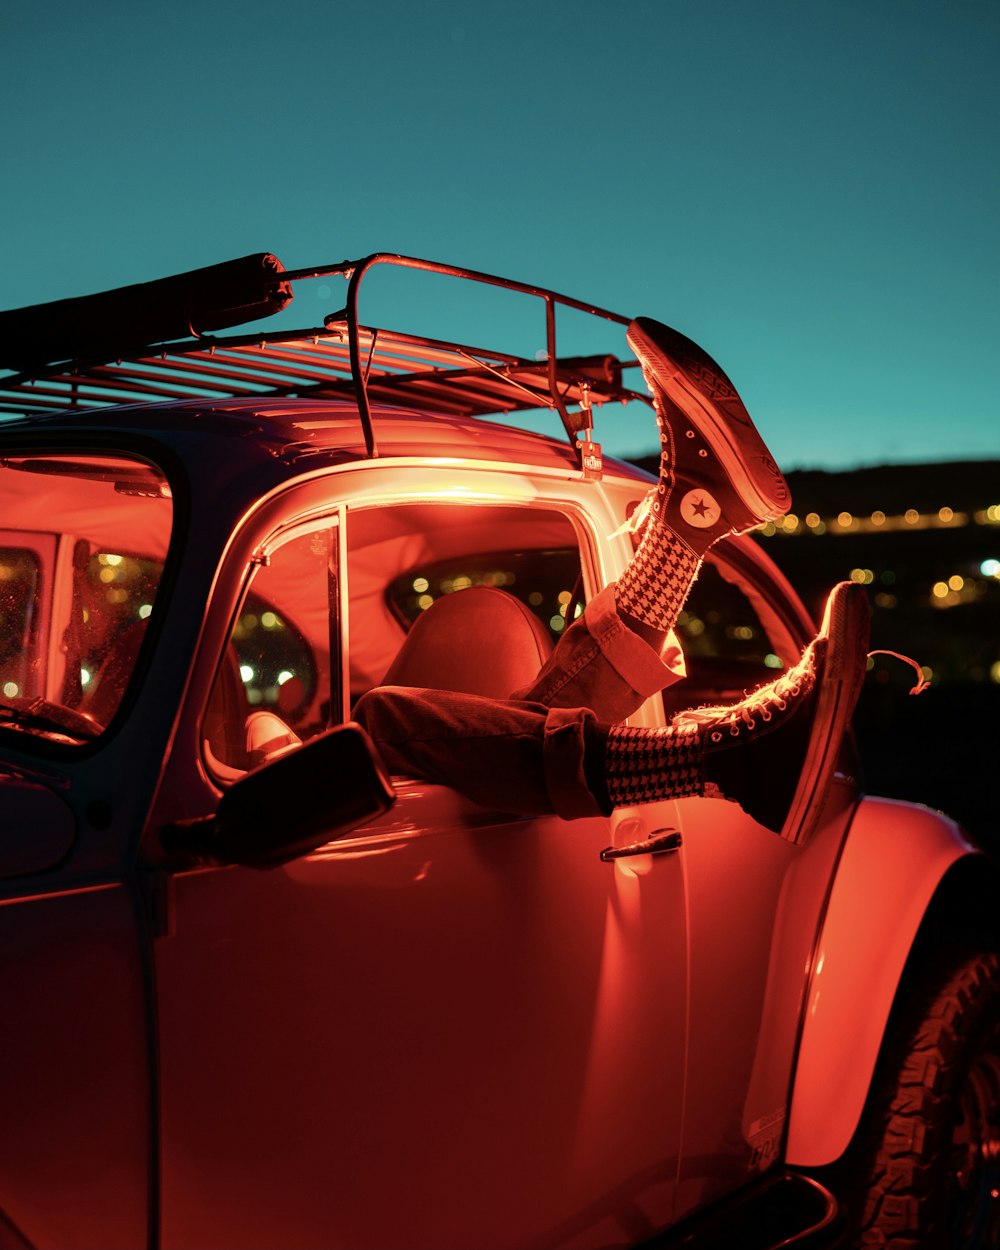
643	765
658	578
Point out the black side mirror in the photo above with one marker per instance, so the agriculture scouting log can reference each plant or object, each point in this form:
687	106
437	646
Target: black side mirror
310	796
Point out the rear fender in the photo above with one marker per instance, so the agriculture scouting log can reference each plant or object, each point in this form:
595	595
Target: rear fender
895	857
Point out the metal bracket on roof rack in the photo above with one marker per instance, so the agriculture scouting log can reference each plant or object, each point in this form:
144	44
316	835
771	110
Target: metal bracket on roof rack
360	379
575	423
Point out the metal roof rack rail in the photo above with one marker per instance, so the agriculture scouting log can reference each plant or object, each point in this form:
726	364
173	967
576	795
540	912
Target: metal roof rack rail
151	342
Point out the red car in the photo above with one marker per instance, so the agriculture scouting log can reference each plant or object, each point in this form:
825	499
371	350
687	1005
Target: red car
257	994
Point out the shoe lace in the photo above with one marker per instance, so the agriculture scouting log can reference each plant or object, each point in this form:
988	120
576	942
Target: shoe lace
922	682
761	703
634	523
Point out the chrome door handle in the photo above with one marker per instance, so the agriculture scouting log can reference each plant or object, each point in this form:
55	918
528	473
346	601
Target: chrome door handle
659	842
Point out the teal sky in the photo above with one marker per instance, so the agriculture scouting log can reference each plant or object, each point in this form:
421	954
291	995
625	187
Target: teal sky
808	189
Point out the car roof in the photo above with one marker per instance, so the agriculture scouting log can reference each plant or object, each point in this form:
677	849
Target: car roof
304	434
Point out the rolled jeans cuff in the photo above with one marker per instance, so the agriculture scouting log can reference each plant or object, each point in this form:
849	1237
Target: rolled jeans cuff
632	658
563	750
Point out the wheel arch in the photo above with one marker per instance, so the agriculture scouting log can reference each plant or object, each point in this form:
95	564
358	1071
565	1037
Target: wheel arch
908	881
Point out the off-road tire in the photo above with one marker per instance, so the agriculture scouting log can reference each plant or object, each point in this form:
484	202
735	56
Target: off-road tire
928	1162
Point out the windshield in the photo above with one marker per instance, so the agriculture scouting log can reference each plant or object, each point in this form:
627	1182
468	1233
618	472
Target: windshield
83	539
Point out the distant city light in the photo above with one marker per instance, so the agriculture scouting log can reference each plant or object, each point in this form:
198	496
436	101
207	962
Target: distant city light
144	610
847	523
11	689
246	672
990	568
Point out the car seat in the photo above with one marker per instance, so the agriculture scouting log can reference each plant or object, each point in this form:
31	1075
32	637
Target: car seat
480	640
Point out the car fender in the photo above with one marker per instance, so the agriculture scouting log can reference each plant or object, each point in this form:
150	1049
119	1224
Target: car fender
895	857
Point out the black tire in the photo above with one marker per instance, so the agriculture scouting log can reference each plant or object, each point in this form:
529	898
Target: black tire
926	1173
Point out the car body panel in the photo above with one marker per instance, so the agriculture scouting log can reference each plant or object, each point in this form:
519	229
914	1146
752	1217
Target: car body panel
390	1035
76	1150
894	859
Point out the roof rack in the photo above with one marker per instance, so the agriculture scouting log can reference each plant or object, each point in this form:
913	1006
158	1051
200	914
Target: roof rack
124	346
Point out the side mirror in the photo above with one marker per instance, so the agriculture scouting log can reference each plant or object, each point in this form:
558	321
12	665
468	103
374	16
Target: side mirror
310	796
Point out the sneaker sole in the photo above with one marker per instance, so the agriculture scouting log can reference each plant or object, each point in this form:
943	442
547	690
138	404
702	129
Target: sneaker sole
845	625
696	385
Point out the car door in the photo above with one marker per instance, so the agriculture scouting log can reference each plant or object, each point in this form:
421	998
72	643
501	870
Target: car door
455	1027
755	900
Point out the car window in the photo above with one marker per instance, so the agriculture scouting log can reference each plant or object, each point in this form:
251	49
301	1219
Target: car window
402	559
727	648
546	580
20	584
82	549
276	686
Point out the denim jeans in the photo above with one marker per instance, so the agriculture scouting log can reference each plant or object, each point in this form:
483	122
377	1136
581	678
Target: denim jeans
526	754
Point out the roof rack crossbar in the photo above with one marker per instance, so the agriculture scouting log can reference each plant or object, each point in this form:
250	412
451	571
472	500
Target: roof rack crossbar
342	357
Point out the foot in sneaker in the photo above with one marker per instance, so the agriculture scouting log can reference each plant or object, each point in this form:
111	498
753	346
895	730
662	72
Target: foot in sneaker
772	752
717	476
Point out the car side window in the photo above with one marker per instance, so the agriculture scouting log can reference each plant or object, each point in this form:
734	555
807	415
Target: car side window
404	558
728	649
275	687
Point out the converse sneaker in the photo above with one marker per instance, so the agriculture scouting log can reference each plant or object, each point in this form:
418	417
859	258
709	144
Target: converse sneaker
773	752
717	476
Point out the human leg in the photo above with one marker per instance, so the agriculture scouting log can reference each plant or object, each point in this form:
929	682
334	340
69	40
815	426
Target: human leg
716	477
516	756
763	752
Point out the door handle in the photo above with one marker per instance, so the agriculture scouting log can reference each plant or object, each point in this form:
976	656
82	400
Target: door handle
659	842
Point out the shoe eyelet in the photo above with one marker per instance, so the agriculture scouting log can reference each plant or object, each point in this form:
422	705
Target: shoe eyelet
703	452
716	736
690	433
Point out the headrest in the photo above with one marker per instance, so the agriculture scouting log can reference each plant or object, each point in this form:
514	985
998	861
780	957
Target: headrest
479	641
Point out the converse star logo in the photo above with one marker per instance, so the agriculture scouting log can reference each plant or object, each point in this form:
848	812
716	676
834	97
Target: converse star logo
699	509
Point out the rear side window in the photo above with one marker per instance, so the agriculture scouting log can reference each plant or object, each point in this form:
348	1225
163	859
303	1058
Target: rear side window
83	539
20	575
728	649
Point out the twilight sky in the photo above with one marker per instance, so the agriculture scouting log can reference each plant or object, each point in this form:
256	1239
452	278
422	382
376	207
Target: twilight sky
808	188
